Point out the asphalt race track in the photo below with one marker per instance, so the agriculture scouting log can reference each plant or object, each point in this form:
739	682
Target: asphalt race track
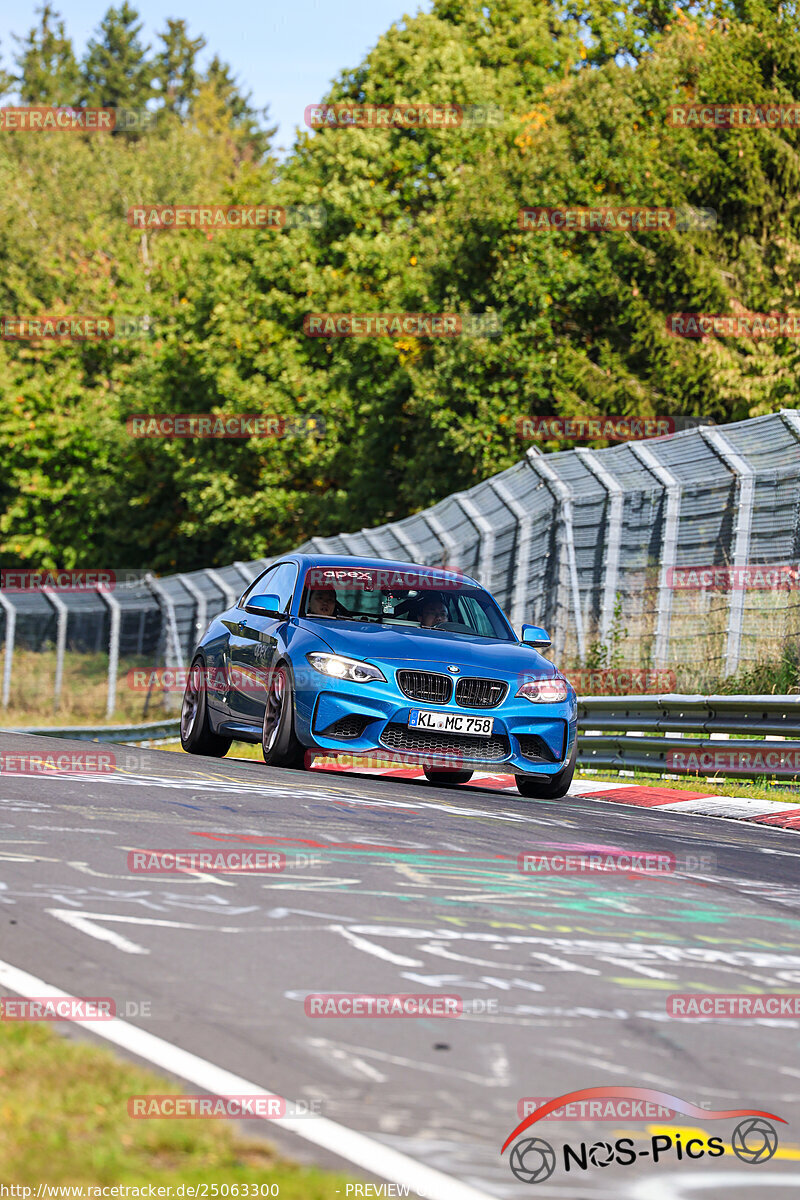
401	887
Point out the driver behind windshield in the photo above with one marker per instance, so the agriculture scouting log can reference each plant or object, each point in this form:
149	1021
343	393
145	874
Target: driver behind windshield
321	603
432	611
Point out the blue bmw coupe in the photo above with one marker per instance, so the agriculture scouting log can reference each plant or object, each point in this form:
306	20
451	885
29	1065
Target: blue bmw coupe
337	654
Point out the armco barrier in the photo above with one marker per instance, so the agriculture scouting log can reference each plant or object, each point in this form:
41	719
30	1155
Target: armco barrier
155	731
732	736
623	733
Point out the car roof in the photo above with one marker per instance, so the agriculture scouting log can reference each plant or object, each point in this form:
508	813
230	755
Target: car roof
374	564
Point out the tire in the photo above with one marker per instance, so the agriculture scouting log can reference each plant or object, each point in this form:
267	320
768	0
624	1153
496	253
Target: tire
549	787
197	737
279	744
443	778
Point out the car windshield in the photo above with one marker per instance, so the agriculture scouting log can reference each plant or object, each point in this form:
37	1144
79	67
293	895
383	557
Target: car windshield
406	599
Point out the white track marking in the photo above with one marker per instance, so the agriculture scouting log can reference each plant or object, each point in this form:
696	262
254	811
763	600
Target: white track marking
348	1063
679	1187
563	964
361	943
427	1068
725	806
356	1148
85	923
650	972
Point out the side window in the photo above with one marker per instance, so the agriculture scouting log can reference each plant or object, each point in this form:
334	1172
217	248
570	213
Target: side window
282	583
258	586
476	616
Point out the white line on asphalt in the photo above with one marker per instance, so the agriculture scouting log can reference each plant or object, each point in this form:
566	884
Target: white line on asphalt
84	922
678	1187
356	1148
360	943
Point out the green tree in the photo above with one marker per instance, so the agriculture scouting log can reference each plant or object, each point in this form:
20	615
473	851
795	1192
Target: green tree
7	81
48	70
248	122
115	70
175	67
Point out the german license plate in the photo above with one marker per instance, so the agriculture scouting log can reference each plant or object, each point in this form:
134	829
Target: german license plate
451	722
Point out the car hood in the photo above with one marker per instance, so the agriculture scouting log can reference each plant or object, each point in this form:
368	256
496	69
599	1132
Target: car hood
429	649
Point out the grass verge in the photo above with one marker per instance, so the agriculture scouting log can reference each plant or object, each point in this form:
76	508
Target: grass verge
64	1120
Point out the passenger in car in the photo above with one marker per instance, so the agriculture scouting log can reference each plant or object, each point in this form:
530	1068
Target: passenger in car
321	603
433	610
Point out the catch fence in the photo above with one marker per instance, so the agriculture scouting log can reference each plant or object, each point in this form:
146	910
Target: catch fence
650	553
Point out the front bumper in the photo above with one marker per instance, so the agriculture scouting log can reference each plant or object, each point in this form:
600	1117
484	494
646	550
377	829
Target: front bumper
371	720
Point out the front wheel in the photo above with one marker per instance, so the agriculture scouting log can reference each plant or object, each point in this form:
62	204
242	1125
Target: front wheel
549	787
279	745
197	736
443	778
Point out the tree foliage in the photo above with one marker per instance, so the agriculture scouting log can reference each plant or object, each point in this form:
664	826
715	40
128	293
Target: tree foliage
418	220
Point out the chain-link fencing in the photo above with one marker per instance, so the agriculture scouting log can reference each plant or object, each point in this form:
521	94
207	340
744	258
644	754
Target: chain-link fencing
681	551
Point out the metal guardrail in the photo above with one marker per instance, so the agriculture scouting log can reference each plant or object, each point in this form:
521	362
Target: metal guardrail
747	736
156	731
736	737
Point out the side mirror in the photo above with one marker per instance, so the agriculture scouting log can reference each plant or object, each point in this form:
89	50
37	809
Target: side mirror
268	605
534	635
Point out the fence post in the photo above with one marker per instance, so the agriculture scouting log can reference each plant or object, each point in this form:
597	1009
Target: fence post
669	545
61	640
411	549
524	525
563	493
225	588
446	539
745	499
113	645
201	619
11	625
792	418
487	538
371	537
613	537
167	608
247	575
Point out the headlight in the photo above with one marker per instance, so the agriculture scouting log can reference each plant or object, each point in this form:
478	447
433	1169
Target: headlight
345	668
544	691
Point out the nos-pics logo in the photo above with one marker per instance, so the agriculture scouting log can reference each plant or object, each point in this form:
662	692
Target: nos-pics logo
533	1160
